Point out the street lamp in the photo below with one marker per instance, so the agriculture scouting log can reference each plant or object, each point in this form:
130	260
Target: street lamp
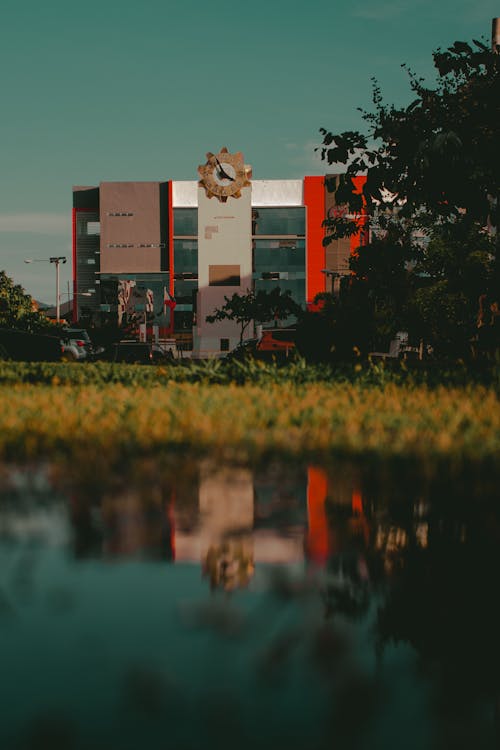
57	259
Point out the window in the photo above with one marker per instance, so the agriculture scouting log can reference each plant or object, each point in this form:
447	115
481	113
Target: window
223	275
93	228
186	256
224	345
279	221
185	222
279	255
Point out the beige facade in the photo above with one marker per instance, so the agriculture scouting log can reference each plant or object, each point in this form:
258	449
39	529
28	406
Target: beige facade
224	265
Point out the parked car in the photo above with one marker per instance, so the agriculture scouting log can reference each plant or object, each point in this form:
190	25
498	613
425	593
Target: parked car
274	344
22	346
137	352
76	345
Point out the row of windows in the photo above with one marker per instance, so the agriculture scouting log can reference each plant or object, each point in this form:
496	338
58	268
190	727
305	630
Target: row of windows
265	221
123	244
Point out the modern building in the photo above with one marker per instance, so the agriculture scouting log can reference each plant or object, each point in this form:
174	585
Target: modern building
167	253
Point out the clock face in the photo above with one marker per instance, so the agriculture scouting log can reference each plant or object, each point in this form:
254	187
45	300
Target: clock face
223	175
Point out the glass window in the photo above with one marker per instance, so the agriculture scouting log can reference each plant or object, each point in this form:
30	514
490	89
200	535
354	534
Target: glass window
185	256
185	222
224	345
184	291
286	220
279	255
296	286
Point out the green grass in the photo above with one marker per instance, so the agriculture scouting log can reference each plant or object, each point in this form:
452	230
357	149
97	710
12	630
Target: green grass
297	372
103	414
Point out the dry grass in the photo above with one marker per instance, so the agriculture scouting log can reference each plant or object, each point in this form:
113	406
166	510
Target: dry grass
317	421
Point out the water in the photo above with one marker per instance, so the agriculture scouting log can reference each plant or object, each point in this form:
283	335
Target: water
195	606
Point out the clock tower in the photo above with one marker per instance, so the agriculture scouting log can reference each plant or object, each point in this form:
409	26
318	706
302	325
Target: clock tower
224	247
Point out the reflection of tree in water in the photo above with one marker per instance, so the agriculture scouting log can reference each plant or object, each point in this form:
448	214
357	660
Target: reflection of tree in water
443	600
353	569
228	565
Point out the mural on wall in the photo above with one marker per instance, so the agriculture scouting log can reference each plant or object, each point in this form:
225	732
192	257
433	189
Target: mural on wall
136	301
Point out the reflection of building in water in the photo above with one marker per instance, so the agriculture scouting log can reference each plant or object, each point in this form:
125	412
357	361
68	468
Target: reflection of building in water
131	523
230	519
224	514
242	522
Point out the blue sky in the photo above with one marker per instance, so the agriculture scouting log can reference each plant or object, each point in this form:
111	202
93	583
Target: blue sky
123	90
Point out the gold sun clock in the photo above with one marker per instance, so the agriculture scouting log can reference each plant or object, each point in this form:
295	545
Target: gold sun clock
224	175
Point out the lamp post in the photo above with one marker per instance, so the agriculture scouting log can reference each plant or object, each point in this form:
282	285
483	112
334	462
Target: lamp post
56	259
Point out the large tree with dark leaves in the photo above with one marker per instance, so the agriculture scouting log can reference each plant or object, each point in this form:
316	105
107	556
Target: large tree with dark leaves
432	166
438	157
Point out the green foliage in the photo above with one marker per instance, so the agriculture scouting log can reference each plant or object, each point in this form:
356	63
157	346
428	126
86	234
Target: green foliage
295	371
434	167
17	309
260	306
451	273
441	153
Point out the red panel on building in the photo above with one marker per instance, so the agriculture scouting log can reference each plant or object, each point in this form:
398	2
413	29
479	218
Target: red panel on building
314	200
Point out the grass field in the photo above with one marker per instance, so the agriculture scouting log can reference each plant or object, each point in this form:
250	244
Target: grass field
58	413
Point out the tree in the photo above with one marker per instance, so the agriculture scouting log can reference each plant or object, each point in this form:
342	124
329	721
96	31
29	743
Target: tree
433	166
441	154
448	278
17	309
260	306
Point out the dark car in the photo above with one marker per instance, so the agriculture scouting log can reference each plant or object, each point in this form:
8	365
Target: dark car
29	347
136	352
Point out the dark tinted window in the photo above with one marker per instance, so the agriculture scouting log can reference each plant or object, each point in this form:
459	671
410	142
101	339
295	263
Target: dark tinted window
185	222
279	221
185	256
279	255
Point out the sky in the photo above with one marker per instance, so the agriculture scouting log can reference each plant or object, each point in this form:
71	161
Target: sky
110	90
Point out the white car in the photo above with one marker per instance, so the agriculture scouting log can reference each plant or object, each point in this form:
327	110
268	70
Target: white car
76	345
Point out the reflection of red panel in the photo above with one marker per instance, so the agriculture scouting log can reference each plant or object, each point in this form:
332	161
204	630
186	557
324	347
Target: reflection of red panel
317	537
357	503
171	521
314	200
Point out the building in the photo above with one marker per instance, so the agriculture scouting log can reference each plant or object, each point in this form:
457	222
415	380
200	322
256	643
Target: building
166	253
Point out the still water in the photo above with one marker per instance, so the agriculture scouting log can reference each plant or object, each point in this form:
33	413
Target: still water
198	606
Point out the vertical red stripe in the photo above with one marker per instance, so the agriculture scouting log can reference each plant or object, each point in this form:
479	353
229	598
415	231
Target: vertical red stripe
171	252
171	238
314	201
75	285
